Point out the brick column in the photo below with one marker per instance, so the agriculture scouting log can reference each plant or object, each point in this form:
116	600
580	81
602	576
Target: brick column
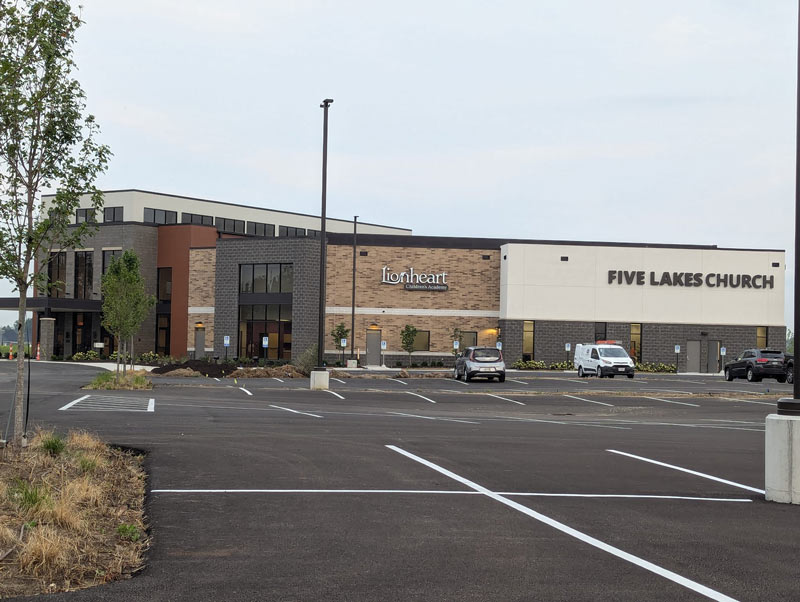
47	328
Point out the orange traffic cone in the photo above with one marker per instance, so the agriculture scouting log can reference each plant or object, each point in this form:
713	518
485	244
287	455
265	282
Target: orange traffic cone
37	352
11	351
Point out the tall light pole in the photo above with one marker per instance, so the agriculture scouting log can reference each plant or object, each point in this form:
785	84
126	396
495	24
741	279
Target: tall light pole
322	236
353	299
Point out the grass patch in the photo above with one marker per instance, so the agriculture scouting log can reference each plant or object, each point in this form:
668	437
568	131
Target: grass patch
70	520
53	445
133	380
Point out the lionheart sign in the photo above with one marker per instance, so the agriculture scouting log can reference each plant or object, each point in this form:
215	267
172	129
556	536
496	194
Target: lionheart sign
415	281
691	279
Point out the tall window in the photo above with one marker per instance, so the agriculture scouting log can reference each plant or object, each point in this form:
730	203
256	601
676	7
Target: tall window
291	232
57	275
258	229
600	329
233	226
194	218
266	278
83	274
469	338
112	214
84	215
761	337
527	340
636	342
160	216
273	321
422	340
164	285
108	256
162	334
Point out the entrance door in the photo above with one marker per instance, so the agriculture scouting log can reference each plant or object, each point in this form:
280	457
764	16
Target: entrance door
693	356
713	357
373	348
199	343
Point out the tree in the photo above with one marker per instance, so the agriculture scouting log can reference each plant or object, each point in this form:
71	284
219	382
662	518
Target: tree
407	337
789	341
125	301
457	336
338	333
46	142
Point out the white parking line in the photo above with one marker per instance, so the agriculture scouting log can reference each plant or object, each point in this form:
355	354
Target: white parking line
505	399
72	403
280	380
461	382
511	380
420	396
763	403
151	405
600	426
245	390
334	393
682	403
670	391
338	380
589	400
667	574
398	381
296	411
432	418
216	379
686	470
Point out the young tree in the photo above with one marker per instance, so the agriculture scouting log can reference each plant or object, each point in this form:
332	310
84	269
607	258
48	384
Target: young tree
125	302
338	333
407	336
457	336
46	142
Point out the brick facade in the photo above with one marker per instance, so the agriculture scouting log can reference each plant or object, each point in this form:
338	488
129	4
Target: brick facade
202	276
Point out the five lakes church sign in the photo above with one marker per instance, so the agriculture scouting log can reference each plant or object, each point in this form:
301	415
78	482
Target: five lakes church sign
415	281
691	279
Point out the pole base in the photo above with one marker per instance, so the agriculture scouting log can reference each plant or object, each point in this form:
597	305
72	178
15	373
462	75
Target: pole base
782	458
320	379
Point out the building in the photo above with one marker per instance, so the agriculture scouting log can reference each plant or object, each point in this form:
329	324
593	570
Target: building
230	278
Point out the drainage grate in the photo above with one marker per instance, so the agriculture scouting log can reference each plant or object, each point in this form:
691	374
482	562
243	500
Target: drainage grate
108	403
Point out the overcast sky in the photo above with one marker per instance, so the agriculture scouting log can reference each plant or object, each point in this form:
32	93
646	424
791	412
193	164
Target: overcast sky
622	120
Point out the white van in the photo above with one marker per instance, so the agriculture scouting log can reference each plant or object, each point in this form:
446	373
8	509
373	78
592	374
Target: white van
602	359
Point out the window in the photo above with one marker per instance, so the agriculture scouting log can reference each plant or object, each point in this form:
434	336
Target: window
312	233
527	340
194	218
273	321
162	334
258	229
83	274
57	275
266	278
84	215
761	337
636	342
164	285
112	214
231	226
600	329
292	232
160	216
469	338
422	342
108	256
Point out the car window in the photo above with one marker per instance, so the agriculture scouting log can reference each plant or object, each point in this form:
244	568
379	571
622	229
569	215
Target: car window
749	354
594	354
486	355
771	353
612	352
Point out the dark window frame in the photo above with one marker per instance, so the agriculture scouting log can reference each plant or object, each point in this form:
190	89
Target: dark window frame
84	277
160	217
112	214
85	215
417	345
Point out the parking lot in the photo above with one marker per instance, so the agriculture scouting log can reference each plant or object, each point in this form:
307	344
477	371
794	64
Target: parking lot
544	487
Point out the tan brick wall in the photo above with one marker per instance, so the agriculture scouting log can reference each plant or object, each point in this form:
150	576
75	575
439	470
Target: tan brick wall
473	284
202	268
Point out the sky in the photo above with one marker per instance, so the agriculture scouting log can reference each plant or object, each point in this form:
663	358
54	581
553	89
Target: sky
622	120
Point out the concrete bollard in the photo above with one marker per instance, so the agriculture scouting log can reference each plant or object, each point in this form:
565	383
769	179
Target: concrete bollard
320	380
782	453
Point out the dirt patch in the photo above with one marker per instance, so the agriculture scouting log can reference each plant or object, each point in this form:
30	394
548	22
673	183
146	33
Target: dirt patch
209	369
71	515
286	371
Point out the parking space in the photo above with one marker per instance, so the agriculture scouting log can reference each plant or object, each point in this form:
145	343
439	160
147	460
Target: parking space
549	489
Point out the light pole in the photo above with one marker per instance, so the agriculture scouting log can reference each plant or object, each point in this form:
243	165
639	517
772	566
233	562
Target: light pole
322	236
353	299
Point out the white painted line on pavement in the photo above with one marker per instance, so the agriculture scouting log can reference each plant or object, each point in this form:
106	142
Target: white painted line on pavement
420	396
745	391
72	403
669	391
600	426
628	496
334	393
398	381
589	400
682	403
505	399
338	380
296	411
245	390
151	405
216	379
511	380
433	418
461	382
280	380
682	425
662	572
686	470
763	403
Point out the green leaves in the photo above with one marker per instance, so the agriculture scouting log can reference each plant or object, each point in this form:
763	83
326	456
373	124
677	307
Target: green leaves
125	301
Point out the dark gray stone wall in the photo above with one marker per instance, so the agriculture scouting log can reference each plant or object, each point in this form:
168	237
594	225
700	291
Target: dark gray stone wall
511	337
549	339
302	252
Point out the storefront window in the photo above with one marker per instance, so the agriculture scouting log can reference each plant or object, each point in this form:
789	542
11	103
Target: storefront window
761	337
527	340
469	338
636	342
272	321
162	334
164	285
266	278
83	274
56	275
422	342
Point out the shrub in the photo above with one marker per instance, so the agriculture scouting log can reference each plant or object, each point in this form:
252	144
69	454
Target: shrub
28	497
148	357
306	361
655	367
86	356
562	365
126	357
529	365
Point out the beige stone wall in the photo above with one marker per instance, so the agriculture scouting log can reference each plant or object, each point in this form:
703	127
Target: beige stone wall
473	286
202	268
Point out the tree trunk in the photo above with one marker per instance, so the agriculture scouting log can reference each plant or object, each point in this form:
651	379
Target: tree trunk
116	376
19	397
125	360
133	367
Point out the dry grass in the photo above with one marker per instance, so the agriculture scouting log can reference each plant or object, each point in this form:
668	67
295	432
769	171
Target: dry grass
68	502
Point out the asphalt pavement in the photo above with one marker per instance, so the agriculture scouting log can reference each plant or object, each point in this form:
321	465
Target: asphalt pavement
545	487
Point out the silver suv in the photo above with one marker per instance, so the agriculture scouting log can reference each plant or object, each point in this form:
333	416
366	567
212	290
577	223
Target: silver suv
480	361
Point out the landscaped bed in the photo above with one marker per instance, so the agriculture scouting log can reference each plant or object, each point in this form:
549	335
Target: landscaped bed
71	514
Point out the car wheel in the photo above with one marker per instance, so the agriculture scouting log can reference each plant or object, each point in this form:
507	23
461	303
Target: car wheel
455	373
580	371
752	378
467	377
610	376
599	373
790	374
781	379
630	375
728	375
502	378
